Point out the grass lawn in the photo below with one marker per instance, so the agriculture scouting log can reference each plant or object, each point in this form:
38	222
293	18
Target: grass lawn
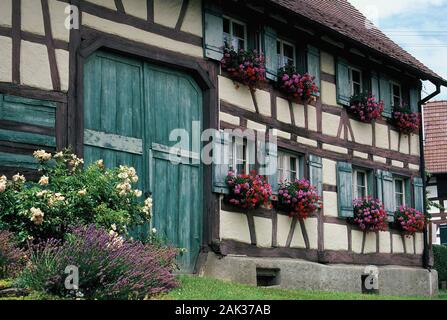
195	288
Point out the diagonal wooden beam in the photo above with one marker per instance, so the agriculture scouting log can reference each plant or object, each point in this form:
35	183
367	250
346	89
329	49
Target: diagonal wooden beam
305	235
119	6
182	15
291	232
55	78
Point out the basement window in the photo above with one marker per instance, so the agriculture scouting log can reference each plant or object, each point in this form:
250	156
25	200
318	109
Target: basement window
267	277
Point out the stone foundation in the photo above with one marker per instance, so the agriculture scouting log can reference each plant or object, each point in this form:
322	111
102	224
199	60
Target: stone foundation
301	274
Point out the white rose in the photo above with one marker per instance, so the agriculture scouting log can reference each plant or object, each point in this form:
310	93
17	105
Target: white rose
44	180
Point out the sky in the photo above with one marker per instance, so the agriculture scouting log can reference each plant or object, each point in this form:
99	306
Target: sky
418	26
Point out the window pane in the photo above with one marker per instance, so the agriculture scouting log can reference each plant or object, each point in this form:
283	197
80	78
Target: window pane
240	44
396	101
288	51
361	179
278	47
226	26
399	200
396	90
357	88
361	191
238	30
398	186
356	76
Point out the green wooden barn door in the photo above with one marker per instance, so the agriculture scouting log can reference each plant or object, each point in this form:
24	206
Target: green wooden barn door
113	105
175	101
130	110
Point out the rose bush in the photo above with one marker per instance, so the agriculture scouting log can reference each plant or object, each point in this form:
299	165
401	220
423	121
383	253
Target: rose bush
299	88
245	66
365	107
248	191
68	195
369	215
299	198
410	220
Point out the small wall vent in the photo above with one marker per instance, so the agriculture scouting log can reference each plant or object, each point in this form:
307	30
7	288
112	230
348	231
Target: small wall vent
267	277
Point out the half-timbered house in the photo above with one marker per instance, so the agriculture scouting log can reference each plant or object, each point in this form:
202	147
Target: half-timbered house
112	79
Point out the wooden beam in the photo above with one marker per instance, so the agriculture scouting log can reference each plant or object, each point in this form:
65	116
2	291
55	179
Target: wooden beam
119	6
16	40
181	18
55	77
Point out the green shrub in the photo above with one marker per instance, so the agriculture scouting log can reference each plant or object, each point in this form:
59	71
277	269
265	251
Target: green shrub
69	195
440	265
12	258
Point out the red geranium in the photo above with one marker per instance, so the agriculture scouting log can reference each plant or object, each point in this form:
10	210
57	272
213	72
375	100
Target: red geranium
410	220
248	191
365	107
406	121
369	215
299	198
245	66
297	87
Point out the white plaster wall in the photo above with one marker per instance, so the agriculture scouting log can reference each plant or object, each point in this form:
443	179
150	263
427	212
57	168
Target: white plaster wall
328	93
330	124
379	159
404	145
228	118
409	245
63	64
414	139
6	59
104	3
263	100
330	204
308	142
413	167
6	13
357	242
361	155
240	97
58	17
382	136
234	226
419	239
384	242
394	140
166	12
335	237
398	246
333	148
138	35
329	172
263	231
32	17
284	223
396	163
193	18
283	134
327	63
256	126
299	115
283	110
312	117
311	225
362	132
136	8
34	66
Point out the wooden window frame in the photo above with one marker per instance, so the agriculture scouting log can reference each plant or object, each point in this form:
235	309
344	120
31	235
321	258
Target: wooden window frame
354	181
284	156
235	142
231	21
392	84
351	79
281	41
402	180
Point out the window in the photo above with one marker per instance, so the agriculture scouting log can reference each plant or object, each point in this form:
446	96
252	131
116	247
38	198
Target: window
355	79
289	166
235	33
242	155
396	94
399	193
286	53
360	183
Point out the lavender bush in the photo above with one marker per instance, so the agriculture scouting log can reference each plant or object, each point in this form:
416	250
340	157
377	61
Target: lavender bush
12	259
110	267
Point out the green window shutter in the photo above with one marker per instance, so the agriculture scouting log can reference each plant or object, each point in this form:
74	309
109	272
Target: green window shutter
316	173
375	85
344	190
418	194
314	64
343	84
221	166
268	158
388	194
270	51
301	59
370	179
408	192
213	33
414	99
385	95
379	184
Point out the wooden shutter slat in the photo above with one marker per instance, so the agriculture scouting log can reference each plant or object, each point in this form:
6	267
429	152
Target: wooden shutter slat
316	173
418	194
270	51
344	189
343	84
388	194
375	85
221	166
414	99
314	64
268	154
213	35
385	95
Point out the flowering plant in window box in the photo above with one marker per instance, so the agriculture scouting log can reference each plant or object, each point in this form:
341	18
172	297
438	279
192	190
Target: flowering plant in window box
245	66
369	215
406	121
299	198
248	191
297	87
365	107
409	220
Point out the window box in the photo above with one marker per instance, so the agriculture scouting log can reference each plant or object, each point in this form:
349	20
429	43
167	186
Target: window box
406	121
365	107
298	88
